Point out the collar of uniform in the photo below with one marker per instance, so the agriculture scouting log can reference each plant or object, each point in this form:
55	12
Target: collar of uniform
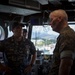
13	39
64	29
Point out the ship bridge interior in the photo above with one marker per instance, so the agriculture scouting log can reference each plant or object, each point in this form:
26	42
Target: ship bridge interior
34	14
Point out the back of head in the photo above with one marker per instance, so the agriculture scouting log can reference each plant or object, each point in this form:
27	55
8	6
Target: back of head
60	13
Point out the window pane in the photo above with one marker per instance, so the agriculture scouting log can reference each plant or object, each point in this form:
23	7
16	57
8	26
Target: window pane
44	39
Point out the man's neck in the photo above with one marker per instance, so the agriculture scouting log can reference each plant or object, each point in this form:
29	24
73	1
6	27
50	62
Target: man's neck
18	38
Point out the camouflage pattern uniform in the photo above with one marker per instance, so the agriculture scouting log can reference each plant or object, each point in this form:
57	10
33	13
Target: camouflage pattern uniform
16	53
65	48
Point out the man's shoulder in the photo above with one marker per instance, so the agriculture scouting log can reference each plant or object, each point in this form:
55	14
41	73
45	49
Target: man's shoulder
7	39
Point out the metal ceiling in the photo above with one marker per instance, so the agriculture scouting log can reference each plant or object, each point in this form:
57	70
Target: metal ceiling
17	10
34	7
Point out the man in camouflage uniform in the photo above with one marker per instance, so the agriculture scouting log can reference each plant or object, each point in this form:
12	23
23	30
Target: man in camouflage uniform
64	52
16	50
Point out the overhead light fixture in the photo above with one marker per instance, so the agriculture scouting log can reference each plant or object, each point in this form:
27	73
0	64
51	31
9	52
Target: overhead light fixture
43	2
55	2
71	0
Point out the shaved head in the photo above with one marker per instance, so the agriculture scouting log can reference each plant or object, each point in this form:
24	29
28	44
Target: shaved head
58	19
60	13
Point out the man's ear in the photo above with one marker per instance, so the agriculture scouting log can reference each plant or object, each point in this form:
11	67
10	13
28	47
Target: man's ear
59	19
